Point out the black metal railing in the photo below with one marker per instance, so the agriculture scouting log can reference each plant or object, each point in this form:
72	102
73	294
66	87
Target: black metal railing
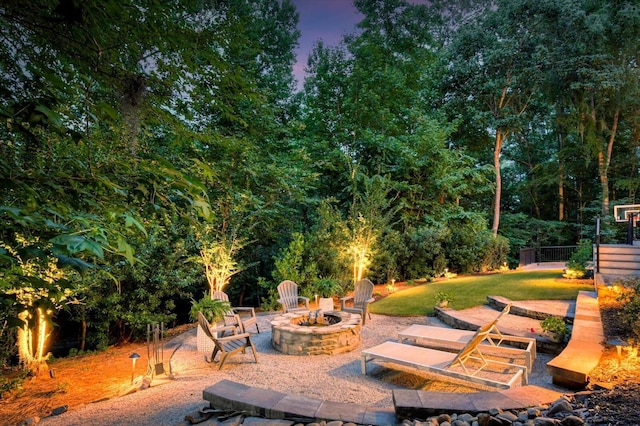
542	254
527	256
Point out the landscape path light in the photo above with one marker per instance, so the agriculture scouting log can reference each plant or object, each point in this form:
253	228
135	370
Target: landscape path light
619	344
134	356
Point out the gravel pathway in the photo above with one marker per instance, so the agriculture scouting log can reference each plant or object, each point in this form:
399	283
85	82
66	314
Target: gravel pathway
329	377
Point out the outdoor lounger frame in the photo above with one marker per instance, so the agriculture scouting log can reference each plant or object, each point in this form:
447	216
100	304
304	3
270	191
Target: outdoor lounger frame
447	363
447	338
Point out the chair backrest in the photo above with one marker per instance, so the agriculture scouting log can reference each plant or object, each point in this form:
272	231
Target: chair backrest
505	311
230	317
483	332
204	324
220	295
363	291
288	291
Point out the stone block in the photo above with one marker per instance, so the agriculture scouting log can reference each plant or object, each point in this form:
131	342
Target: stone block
330	410
294	406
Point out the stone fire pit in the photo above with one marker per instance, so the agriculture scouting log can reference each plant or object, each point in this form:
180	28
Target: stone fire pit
298	333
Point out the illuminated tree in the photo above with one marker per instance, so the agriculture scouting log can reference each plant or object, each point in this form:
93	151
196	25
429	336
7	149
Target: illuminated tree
369	217
363	237
39	288
218	253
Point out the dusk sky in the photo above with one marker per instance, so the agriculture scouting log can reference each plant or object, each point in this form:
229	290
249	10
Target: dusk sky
328	20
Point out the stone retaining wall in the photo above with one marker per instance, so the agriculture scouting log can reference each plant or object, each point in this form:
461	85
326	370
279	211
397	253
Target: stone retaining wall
290	338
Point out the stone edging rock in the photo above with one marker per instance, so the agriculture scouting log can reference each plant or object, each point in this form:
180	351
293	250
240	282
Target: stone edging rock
569	410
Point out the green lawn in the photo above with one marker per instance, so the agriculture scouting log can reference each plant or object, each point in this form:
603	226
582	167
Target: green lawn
473	291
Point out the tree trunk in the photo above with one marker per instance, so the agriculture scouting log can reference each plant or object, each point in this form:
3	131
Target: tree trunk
560	179
498	195
83	327
604	160
31	342
83	334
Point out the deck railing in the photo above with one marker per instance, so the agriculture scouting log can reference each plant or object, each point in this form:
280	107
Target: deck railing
542	254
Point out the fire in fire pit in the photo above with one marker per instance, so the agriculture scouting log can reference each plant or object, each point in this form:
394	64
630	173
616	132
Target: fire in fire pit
317	319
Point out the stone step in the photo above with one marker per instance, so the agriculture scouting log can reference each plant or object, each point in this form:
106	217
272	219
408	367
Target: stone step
622	272
533	309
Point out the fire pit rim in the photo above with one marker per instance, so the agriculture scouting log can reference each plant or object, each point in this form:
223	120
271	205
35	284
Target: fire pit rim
284	322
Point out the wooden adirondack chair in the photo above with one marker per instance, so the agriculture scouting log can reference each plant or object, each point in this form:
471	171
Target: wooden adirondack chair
241	317
362	296
226	345
289	299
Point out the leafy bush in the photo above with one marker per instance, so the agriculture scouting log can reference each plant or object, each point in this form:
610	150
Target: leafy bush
293	264
212	309
442	297
270	302
555	325
388	261
577	264
470	246
8	349
494	252
630	298
425	255
7	385
326	287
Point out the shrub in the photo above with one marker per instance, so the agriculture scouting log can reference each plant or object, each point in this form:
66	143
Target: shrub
630	298
293	263
326	287
8	348
391	288
425	255
442	298
7	385
212	309
466	241
270	302
554	325
577	264
494	252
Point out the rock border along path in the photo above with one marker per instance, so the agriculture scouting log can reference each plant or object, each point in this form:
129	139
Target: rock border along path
408	404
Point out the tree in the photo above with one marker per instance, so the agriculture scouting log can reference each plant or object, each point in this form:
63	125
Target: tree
597	74
370	216
218	257
74	183
493	70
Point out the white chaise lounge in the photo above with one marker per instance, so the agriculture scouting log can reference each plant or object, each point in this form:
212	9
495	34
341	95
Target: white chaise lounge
468	364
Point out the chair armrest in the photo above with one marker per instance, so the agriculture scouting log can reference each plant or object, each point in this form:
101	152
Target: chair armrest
371	300
234	337
343	300
246	309
232	328
306	299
